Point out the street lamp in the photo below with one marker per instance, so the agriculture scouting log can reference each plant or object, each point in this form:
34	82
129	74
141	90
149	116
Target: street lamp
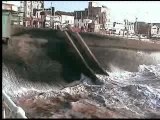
51	16
136	26
149	28
127	28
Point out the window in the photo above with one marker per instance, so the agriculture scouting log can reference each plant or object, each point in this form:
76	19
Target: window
34	12
114	24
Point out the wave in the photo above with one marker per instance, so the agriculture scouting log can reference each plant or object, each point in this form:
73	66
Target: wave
131	94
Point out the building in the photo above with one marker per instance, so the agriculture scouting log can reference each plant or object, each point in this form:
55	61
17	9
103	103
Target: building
97	14
57	21
155	29
123	28
48	22
142	28
81	18
82	22
65	18
49	17
32	13
118	27
109	26
13	9
129	26
9	7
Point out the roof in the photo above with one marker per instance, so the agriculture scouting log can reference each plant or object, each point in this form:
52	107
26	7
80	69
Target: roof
48	12
79	11
103	6
64	13
157	24
140	22
7	4
9	7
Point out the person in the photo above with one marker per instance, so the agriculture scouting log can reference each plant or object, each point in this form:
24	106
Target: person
92	27
82	29
85	28
89	27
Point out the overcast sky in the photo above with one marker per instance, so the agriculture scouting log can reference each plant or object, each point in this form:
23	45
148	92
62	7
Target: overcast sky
147	11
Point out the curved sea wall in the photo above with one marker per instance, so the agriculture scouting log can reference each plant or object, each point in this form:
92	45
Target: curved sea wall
109	50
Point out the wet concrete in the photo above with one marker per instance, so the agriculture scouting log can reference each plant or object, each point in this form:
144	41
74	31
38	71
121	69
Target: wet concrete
105	41
128	60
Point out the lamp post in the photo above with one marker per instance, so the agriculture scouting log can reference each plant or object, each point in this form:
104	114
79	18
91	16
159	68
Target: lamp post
127	27
149	29
96	22
51	16
136	26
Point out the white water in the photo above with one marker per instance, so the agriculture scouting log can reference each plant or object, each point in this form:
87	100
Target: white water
135	94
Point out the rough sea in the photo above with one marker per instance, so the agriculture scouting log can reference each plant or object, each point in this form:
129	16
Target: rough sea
122	94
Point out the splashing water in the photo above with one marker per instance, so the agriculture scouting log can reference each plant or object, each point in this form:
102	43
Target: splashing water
131	94
127	94
139	91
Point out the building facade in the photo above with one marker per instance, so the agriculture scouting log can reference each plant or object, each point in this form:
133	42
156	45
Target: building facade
129	26
99	13
155	29
64	18
82	22
142	28
95	13
31	13
13	9
49	17
81	18
118	27
124	27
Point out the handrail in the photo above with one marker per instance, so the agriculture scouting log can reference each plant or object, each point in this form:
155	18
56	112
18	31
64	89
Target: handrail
70	41
16	111
87	52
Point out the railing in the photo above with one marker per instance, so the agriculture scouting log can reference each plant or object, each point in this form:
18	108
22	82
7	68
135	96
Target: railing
128	36
15	111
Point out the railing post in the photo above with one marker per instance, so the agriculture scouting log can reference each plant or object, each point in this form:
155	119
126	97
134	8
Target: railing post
17	112
3	110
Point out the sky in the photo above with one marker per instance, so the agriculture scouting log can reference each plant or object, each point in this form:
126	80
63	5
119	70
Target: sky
147	11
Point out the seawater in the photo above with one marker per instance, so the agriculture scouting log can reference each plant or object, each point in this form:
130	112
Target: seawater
137	94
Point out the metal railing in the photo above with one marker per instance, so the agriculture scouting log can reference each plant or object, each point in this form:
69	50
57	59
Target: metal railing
15	111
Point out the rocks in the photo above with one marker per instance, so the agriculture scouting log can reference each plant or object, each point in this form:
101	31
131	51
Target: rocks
64	106
92	111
